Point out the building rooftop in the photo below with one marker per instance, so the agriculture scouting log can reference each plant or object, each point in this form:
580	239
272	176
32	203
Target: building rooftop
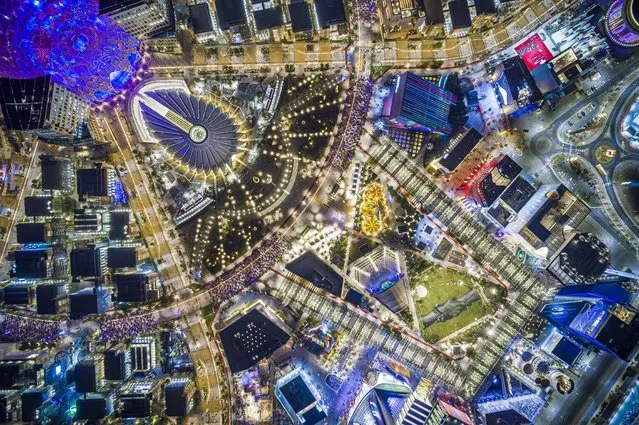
300	16
53	173
85	262
310	267
268	18
31	232
461	144
581	261
619	336
37	206
493	180
119	225
297	393
230	13
251	338
459	14
31	263
111	6
566	350
329	12
485	7
201	18
119	257
434	10
93	182
518	193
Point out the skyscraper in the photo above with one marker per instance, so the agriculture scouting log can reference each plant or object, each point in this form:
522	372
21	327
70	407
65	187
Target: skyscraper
419	104
140	18
48	110
68	40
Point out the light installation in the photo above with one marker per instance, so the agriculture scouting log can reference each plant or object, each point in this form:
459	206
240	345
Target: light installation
621	25
83	51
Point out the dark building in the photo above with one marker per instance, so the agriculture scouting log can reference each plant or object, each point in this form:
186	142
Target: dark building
138	399
516	86
17	294
87	374
31	263
115	365
93	182
201	18
459	14
433	9
131	288
86	221
485	7
88	301
461	145
25	103
354	297
329	12
56	174
119	225
230	13
297	394
178	397
582	260
518	193
544	218
418	104
32	400
46	299
251	338
310	267
85	262
140	18
37	206
121	257
93	407
300	16
493	179
268	18
31	233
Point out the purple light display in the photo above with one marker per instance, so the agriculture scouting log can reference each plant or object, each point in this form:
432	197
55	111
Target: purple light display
83	51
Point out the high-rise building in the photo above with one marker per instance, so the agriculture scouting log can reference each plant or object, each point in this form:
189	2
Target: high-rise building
418	104
621	24
178	396
140	18
48	110
81	50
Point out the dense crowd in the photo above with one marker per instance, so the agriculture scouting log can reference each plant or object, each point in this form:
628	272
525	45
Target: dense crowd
352	124
249	270
229	285
28	329
127	327
366	11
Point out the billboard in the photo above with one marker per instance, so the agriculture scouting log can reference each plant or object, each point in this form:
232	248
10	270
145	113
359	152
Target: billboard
534	52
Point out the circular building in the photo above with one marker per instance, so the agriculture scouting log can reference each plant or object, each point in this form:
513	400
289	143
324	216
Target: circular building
621	23
197	133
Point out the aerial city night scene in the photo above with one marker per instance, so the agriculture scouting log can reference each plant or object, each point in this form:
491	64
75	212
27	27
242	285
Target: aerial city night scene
319	212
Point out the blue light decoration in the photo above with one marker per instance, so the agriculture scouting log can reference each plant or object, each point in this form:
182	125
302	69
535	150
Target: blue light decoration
83	51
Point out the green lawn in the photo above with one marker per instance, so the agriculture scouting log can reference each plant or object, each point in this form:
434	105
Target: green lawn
439	330
441	284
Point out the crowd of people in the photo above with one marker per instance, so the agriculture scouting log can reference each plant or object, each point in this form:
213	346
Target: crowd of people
366	11
352	124
269	253
28	329
127	327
